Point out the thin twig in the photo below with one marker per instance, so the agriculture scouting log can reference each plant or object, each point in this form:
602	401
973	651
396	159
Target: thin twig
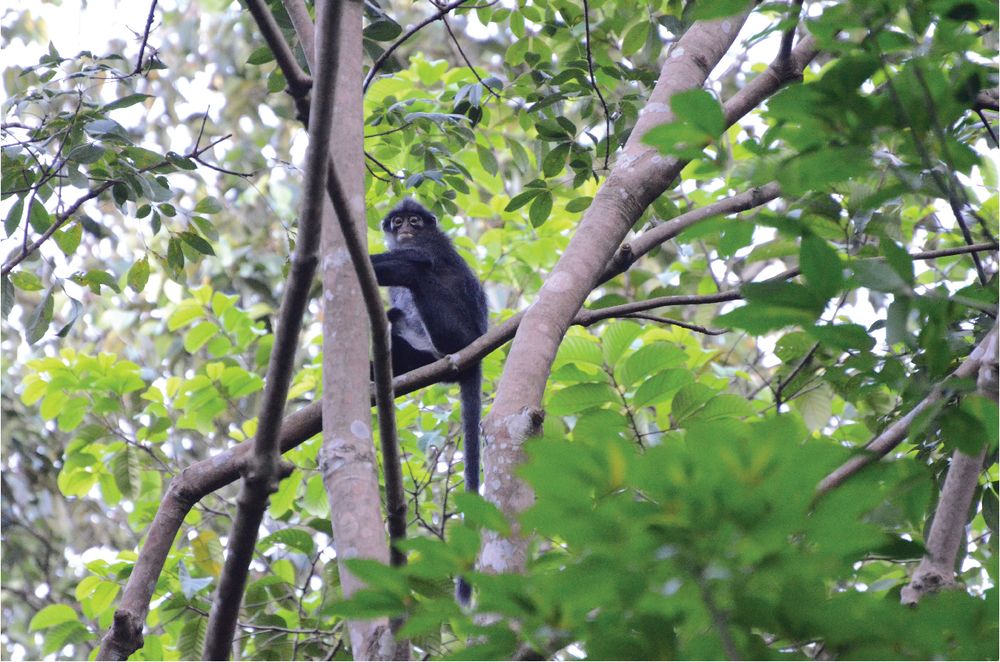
402	39
145	38
444	19
597	89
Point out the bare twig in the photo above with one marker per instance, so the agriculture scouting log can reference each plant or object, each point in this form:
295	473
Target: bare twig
458	45
145	38
593	83
402	39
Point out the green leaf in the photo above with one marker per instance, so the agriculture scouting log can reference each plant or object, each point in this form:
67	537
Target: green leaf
555	160
260	56
636	37
126	101
897	258
175	254
540	209
704	11
50	616
487	159
689	399
88	153
13	218
27	281
616	338
879	276
700	109
815	405
38	322
577	349
843	336
481	513
649	359
383	29
522	199
209	205
186	312
295	538
821	266
760	318
68	239
579	397
199	335
578	204
817	170
138	274
198	243
660	387
39	217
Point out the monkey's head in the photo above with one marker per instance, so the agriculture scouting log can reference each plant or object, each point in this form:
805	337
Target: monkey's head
408	221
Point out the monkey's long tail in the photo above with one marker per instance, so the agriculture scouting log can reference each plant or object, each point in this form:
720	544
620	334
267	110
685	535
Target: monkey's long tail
470	388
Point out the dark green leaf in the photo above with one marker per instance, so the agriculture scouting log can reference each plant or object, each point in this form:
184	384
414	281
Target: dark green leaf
578	204
198	243
13	219
821	266
635	37
383	29
555	160
843	336
879	276
38	322
522	199
88	153
260	56
38	216
126	101
540	208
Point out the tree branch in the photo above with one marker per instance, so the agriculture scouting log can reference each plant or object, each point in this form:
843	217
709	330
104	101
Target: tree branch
937	568
402	39
265	469
894	435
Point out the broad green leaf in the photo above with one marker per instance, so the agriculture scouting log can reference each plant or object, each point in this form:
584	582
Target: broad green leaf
579	397
198	243
843	336
479	512
540	208
699	109
68	239
260	56
199	335
650	359
522	199
879	276
138	274
126	101
821	266
635	37
815	405
185	313
689	399
660	387
209	205
50	616
297	539
616	338
26	281
578	204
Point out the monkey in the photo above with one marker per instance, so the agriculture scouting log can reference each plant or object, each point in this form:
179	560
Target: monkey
437	307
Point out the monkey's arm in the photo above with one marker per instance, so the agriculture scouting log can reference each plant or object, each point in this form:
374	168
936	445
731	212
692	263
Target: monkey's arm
402	267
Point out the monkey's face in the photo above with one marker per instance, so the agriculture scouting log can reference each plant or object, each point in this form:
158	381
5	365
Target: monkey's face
406	226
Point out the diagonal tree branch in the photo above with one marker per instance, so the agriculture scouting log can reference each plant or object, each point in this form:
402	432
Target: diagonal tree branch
894	435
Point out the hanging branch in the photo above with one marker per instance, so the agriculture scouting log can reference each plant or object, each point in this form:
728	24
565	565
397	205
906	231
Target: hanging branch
406	35
593	83
264	469
454	39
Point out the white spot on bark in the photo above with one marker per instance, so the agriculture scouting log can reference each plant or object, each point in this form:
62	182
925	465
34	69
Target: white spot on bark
655	107
360	430
623	194
559	281
657	159
726	27
677	52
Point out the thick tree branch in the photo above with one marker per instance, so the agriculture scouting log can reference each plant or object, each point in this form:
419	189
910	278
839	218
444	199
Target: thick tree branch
263	472
937	568
894	435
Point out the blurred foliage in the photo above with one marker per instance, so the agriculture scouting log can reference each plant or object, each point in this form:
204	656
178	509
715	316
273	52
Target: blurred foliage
674	515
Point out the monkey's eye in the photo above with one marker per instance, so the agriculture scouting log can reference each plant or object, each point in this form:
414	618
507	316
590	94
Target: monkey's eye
396	222
416	221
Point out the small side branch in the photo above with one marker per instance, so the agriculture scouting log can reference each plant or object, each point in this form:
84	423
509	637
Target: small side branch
145	38
380	62
593	83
